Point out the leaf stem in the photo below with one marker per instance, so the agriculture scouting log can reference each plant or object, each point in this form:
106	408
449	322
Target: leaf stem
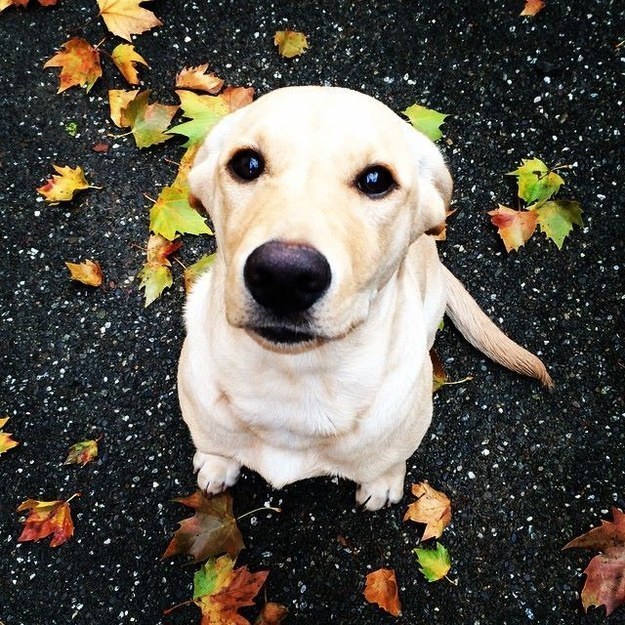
108	134
453	582
467	379
145	195
258	510
72	497
168	611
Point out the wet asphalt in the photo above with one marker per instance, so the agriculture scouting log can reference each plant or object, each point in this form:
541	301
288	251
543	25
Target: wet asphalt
526	470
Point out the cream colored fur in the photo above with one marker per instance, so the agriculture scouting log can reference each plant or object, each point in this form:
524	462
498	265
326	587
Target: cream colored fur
356	400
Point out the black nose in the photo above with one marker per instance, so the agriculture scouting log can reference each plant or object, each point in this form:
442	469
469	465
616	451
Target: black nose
286	277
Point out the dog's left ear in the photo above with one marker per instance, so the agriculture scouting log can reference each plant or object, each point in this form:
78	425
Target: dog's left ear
196	203
435	187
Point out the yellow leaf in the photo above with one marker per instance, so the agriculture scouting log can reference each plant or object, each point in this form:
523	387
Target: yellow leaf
61	188
196	78
88	272
432	508
125	17
514	227
290	43
119	99
125	57
79	62
6	442
155	274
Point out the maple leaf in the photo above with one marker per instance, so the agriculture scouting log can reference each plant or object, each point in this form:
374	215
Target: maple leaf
435	563
119	99
79	62
61	188
271	614
6	442
605	574
532	7
536	182
425	120
172	214
126	57
148	122
219	590
82	453
290	43
22	3
439	377
206	110
197	79
556	219
514	227
88	272
432	508
194	271
155	274
211	531
381	588
125	17
45	518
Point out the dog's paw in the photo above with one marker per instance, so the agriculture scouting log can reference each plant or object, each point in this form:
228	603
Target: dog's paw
386	490
215	473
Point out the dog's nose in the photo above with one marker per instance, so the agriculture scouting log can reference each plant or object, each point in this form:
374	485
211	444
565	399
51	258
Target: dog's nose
286	277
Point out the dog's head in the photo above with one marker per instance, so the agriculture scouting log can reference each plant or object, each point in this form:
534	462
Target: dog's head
315	194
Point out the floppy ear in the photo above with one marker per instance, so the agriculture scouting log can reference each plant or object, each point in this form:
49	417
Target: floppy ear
435	186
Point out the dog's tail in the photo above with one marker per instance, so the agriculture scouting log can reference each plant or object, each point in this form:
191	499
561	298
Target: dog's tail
482	333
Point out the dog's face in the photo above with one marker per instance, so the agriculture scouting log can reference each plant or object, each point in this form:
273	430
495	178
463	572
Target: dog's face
315	194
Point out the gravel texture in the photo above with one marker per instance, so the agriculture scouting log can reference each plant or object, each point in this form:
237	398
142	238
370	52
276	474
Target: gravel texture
526	470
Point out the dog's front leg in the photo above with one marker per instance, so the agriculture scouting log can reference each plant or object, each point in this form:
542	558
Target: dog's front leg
384	490
215	473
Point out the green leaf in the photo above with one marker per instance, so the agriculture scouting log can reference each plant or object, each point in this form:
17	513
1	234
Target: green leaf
155	280
148	122
173	214
194	271
204	110
557	218
425	120
82	452
435	563
536	182
212	576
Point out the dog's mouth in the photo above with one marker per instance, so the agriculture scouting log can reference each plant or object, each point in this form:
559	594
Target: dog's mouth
283	335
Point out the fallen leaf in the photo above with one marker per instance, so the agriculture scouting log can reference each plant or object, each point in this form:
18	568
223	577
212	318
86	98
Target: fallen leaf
119	99
206	110
439	377
290	43
22	3
197	79
432	508
155	274
605	574
442	235
514	227
219	590
61	188
148	122
45	518
435	563
271	614
425	120
79	62
125	17
172	214
557	218
381	588
211	531
126	57
88	272
101	147
536	182
194	271
82	453
532	7
6	442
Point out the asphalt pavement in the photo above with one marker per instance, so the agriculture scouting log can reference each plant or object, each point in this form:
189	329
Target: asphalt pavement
526	470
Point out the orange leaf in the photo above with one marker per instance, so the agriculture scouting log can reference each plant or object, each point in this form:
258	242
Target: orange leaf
381	588
125	17
22	3
605	574
119	99
532	7
61	188
88	272
515	227
271	614
6	442
290	43
195	78
432	508
45	518
237	97
82	453
79	62
125	57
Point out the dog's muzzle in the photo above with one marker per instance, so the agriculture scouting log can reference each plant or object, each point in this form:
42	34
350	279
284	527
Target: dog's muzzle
286	279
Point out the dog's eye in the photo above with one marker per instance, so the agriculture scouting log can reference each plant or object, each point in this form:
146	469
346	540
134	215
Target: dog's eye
375	181
247	164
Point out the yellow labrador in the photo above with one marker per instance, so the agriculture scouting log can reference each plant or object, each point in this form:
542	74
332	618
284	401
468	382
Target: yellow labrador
307	345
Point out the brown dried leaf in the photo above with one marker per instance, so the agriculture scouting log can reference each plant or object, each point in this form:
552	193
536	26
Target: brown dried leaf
432	508
381	588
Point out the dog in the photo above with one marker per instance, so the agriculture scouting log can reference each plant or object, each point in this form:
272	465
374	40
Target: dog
307	347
